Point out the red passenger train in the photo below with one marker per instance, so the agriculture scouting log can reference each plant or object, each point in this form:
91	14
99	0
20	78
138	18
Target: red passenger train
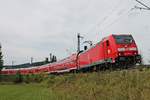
116	50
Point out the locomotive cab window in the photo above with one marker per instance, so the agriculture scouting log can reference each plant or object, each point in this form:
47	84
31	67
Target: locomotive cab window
123	39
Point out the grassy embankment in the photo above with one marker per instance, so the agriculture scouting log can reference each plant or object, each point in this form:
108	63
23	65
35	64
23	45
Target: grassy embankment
116	85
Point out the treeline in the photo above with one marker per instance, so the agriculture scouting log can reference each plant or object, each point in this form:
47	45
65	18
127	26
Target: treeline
18	78
47	60
52	59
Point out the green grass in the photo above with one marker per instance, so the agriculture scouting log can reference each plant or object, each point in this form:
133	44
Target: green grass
116	85
25	92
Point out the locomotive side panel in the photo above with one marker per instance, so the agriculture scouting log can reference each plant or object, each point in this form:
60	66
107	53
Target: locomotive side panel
96	53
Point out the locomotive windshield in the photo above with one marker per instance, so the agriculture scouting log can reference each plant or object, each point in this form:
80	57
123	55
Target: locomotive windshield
123	39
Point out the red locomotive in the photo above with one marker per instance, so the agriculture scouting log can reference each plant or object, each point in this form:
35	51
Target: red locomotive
111	52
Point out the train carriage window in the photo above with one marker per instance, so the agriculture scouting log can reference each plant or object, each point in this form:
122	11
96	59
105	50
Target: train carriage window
107	43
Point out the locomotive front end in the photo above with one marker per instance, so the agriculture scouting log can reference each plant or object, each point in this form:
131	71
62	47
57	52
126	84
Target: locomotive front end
126	50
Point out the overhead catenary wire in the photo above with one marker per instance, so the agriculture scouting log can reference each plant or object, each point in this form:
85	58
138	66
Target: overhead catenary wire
117	19
110	23
103	26
105	19
100	22
128	11
143	4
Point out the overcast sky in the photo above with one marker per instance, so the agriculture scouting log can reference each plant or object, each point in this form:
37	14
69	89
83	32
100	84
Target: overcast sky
34	28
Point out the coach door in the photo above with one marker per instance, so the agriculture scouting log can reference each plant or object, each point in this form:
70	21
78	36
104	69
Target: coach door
106	46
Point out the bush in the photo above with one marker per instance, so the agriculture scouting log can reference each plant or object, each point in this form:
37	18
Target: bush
18	78
38	78
26	79
0	77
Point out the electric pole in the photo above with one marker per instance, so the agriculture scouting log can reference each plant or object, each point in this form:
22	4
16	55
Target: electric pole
78	49
31	60
78	46
12	63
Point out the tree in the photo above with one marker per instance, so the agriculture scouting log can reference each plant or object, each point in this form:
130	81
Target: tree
1	58
54	59
50	58
46	60
18	77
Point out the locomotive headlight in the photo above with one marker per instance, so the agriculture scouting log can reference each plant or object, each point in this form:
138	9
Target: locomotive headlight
119	54
121	49
133	49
